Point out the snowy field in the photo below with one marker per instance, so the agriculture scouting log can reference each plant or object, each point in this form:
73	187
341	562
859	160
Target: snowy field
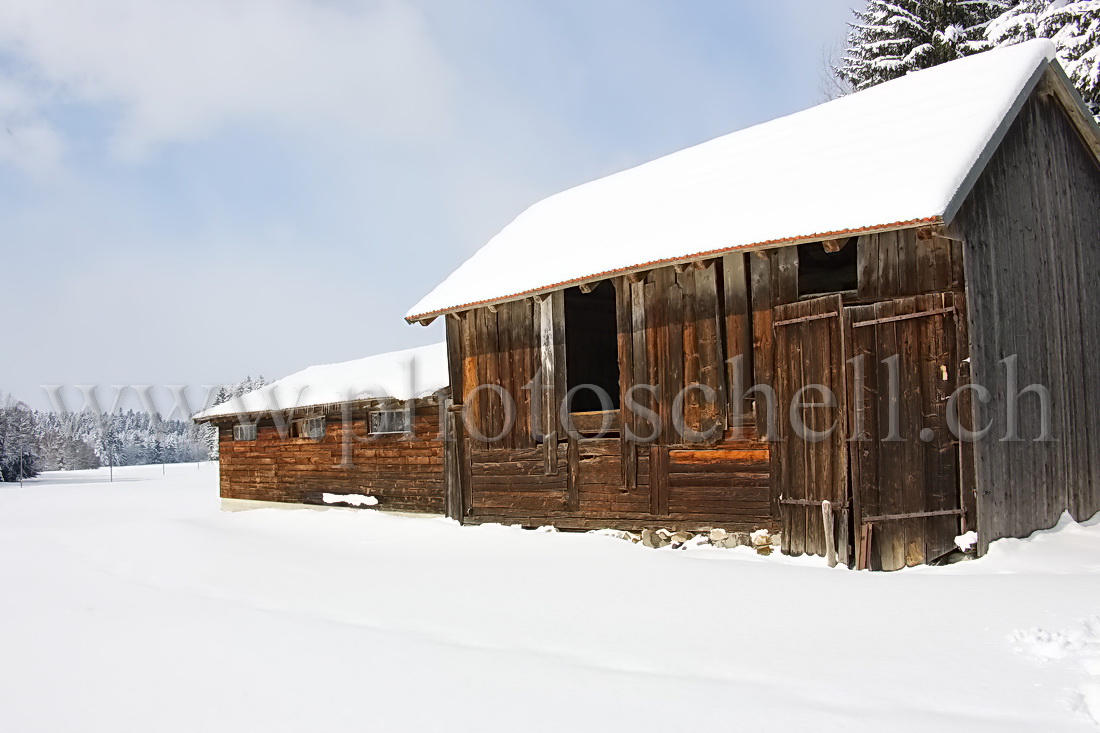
138	606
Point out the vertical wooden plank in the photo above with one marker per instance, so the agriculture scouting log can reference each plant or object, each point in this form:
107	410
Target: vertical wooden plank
863	391
455	365
658	478
572	492
453	444
712	370
623	326
886	265
528	334
868	285
561	380
692	404
786	274
493	407
912	420
888	539
738	324
639	374
781	460
671	357
550	377
762	300
470	379
653	304
908	264
505	369
957	280
841	483
968	496
813	459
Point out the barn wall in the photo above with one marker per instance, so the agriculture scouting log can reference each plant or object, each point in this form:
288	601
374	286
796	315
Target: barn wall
907	262
405	473
676	326
1032	251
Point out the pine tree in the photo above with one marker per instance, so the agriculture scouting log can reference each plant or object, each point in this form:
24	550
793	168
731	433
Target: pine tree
1073	26
1017	24
18	442
891	38
1075	29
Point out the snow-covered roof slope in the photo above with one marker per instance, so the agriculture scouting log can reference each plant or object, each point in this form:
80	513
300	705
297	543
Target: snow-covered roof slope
400	375
897	153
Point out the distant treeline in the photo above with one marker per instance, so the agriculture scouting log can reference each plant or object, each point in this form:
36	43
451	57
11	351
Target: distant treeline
32	441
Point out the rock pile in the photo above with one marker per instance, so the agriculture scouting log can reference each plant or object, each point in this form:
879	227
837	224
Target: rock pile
761	540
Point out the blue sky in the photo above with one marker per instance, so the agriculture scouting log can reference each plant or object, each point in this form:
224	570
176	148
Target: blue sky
195	191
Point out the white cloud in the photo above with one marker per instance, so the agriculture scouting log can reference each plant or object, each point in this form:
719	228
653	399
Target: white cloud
179	71
27	140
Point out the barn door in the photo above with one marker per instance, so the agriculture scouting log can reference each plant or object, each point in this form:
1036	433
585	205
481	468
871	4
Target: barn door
810	462
902	368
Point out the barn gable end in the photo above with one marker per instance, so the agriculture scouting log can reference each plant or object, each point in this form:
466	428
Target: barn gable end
1031	227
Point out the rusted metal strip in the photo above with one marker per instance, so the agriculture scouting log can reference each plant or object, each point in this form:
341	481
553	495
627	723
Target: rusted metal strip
818	316
891	319
913	515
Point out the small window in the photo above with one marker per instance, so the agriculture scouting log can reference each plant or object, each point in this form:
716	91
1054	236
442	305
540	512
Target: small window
244	432
827	267
390	421
310	427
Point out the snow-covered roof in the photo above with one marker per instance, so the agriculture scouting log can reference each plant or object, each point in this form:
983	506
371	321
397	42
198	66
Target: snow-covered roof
894	155
399	375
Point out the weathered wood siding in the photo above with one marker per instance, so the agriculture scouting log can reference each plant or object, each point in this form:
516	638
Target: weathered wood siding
675	326
405	473
907	262
725	485
1032	250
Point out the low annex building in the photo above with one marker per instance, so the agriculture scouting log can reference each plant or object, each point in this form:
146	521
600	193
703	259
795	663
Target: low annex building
875	266
362	432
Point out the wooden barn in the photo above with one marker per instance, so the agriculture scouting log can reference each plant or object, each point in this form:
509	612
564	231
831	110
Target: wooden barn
869	267
354	433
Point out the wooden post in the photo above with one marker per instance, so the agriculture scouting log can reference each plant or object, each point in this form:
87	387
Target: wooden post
547	338
830	544
863	556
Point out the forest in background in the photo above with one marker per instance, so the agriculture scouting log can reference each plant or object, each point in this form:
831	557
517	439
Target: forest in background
32	441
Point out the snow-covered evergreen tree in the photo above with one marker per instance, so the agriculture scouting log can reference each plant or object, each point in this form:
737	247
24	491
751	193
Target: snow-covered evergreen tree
225	393
18	442
1074	26
891	38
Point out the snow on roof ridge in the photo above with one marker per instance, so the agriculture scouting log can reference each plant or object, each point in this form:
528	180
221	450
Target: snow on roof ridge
902	149
403	374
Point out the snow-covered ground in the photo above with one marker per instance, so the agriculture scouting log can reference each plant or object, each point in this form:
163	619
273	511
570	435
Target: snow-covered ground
138	606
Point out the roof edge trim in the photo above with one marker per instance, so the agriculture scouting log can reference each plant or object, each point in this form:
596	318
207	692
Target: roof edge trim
768	244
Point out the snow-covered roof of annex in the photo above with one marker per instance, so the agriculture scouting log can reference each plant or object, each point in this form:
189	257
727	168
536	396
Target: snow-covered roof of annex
902	153
401	375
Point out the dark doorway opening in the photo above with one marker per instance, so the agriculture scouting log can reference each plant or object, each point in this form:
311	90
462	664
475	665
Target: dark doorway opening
591	346
827	267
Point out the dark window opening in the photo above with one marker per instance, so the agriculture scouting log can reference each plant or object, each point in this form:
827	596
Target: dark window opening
821	270
591	346
390	422
246	431
310	427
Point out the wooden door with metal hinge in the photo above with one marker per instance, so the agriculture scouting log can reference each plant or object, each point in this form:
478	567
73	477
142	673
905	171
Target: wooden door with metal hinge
810	457
902	365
